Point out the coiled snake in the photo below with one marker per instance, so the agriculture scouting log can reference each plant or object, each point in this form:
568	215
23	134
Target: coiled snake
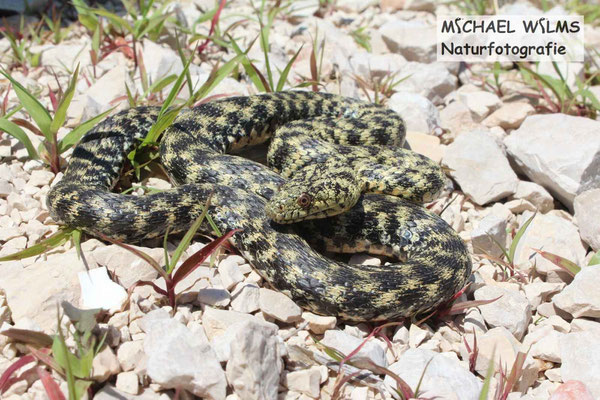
362	151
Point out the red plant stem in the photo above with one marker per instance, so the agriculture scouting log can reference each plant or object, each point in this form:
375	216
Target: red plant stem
213	23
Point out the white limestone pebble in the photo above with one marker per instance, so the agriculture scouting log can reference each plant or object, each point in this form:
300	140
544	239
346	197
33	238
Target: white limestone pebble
196	369
255	362
478	163
581	297
511	311
559	152
444	377
279	306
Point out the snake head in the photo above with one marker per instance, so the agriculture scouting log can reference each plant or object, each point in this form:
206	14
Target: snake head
315	191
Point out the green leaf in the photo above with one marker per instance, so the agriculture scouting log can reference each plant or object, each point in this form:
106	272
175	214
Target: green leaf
55	240
75	135
483	395
61	112
562	262
595	260
114	19
216	77
36	110
187	238
286	71
517	238
162	83
247	64
84	320
15	130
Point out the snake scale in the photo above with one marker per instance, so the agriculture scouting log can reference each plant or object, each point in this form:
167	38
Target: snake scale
431	264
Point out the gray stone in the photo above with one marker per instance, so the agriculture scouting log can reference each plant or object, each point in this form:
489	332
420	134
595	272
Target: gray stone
554	234
417	111
511	311
587	213
415	40
535	194
255	362
559	152
480	167
580	361
509	116
489	235
345	343
433	80
279	306
581	297
444	377
196	369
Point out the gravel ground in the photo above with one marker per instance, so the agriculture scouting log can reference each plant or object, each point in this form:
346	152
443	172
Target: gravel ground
510	165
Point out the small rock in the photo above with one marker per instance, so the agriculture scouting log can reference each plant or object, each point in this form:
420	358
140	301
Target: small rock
538	291
307	381
230	273
319	324
197	368
214	297
554	234
433	81
6	188
511	311
255	363
417	335
444	377
480	167
279	306
216	322
376	65
535	194
587	213
509	116
126	266
415	40
128	382
457	119
414	5
548	149
428	145
480	102
572	390
40	177
417	111
580	361
489	235
585	325
548	348
105	365
345	343
131	355
245	298
581	297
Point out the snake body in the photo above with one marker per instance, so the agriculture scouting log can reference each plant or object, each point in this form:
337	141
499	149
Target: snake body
434	262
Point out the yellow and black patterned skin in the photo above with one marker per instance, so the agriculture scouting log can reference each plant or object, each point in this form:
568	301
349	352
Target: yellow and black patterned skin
434	262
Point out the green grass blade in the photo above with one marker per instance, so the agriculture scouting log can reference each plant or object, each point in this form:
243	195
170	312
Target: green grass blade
15	130
162	83
61	112
38	112
114	19
55	240
187	238
286	71
250	71
483	395
73	137
517	238
217	76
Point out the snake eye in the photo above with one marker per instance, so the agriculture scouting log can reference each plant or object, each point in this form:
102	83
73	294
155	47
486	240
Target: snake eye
304	200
